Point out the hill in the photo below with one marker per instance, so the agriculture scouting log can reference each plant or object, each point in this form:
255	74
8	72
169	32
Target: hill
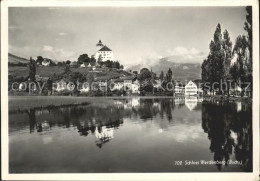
15	59
181	71
17	71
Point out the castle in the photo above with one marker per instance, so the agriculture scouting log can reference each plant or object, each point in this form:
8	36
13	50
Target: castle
103	52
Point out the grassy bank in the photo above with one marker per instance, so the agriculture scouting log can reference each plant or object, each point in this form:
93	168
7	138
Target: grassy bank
220	98
27	102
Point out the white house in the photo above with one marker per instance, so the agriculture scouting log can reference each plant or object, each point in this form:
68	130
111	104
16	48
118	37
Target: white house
116	84
179	89
84	88
191	89
136	87
103	52
45	62
60	86
82	65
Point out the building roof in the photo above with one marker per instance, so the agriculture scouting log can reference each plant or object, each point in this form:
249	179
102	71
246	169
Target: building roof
105	48
191	83
103	78
99	43
116	80
128	78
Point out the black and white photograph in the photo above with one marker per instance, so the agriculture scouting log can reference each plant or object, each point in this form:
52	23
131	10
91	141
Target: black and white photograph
110	89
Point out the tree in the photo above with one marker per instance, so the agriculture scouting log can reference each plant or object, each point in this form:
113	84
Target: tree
52	63
68	62
90	79
248	28
213	68
227	46
145	74
115	65
67	69
205	70
108	63
241	69
169	75
39	60
84	58
162	76
60	63
100	59
92	60
121	67
32	69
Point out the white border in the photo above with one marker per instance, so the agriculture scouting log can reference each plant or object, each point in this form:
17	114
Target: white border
127	176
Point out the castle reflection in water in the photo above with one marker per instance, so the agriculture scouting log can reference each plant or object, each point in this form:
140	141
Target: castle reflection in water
228	126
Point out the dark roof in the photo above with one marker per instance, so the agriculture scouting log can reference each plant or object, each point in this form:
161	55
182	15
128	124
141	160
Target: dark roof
116	80
103	78
128	78
104	48
99	43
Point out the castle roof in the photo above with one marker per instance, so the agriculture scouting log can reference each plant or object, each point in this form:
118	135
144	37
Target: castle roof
99	43
105	48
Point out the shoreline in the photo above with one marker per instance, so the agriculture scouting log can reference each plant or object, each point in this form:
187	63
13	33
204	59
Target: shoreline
28	102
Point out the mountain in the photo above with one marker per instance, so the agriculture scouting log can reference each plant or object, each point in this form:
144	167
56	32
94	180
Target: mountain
181	71
15	59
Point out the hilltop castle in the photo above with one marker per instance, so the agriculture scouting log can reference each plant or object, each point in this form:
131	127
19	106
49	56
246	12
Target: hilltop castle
103	52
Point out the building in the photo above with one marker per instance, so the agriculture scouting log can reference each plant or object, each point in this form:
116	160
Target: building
179	89
60	86
135	87
116	84
84	88
82	65
157	84
191	89
237	91
103	52
46	62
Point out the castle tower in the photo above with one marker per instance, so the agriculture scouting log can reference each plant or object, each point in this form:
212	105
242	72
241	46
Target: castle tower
99	45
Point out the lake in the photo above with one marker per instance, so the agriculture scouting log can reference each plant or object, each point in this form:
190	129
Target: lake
132	135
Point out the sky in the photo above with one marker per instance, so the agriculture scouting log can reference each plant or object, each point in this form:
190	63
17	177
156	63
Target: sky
135	34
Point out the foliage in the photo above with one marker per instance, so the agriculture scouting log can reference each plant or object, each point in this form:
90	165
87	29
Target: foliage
161	76
19	64
241	70
216	66
39	60
169	75
145	74
32	69
84	58
68	62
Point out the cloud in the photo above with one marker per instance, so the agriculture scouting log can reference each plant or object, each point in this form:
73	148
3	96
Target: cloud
62	34
185	55
53	8
12	28
46	51
47	48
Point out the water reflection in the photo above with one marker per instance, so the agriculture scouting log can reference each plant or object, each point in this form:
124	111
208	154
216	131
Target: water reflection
229	131
228	126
